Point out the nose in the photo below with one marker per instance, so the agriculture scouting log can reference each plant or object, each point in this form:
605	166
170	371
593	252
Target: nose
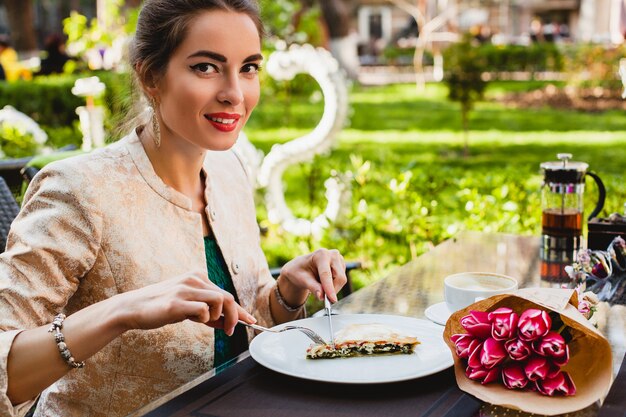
230	91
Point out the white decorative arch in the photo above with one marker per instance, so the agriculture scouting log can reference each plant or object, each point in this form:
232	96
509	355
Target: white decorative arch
268	170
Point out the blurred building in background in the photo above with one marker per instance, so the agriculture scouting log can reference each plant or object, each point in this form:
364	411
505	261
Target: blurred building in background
384	23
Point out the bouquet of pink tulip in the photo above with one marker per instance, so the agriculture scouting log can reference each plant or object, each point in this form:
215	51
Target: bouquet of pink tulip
523	351
532	351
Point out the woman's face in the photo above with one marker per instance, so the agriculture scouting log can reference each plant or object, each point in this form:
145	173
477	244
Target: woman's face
211	84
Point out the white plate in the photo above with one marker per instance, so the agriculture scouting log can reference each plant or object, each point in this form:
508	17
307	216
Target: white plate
286	352
438	313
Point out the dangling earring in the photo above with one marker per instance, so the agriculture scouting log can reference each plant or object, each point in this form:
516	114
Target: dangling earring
156	129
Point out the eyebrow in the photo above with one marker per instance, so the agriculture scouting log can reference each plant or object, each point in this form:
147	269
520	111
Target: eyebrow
221	58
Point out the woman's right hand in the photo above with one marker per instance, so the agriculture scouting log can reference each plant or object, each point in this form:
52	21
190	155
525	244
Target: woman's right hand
189	296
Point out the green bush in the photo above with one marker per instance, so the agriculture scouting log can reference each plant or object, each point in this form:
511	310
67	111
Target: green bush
15	142
394	55
533	58
62	136
49	101
595	66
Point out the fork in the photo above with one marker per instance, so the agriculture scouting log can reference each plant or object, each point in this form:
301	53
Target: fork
310	333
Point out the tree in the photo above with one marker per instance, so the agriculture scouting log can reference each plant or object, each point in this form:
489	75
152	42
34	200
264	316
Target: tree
428	31
464	77
20	17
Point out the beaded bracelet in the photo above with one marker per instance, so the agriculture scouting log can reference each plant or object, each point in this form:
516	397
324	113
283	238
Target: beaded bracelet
55	327
283	302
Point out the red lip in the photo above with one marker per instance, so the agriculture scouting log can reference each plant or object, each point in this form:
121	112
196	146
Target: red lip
223	127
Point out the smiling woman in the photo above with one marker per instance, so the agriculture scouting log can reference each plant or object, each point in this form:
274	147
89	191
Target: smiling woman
143	255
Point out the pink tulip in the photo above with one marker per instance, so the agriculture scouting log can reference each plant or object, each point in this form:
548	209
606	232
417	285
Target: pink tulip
518	349
539	367
552	346
473	360
493	353
477	323
504	323
513	376
484	376
560	384
533	324
464	344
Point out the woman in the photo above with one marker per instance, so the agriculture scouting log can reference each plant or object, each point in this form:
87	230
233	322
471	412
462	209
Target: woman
99	235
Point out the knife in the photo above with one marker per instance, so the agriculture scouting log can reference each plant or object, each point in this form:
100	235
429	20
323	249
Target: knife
327	307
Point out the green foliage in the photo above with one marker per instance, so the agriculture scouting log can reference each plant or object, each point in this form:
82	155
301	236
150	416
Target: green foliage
283	29
410	190
86	39
62	136
591	65
281	24
533	58
49	101
394	55
15	142
117	100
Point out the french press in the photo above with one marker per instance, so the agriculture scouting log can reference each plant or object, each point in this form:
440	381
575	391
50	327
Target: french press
562	206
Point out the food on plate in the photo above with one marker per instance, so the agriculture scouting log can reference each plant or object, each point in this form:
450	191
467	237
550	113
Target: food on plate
362	340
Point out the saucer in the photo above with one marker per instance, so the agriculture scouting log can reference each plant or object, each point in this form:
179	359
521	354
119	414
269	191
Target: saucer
438	313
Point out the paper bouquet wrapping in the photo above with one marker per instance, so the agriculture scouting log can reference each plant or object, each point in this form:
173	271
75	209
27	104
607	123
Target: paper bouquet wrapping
531	351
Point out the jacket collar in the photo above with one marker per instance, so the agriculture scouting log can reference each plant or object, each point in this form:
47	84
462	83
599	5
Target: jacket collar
142	162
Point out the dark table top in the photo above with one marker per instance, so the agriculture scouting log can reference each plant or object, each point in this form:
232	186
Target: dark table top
247	389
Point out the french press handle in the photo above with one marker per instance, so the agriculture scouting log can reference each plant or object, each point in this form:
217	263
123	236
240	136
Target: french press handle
601	195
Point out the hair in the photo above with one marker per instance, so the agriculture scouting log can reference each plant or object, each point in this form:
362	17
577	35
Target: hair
162	26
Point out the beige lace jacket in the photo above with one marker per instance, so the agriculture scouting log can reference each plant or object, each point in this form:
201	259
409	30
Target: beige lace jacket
104	223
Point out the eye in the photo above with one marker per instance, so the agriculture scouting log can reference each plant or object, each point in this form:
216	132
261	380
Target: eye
205	68
251	68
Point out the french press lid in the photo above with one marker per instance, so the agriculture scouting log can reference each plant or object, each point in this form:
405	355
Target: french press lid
564	171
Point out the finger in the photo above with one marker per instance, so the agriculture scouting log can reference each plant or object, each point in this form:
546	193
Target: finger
244	315
197	311
196	281
340	256
323	266
339	273
230	314
213	298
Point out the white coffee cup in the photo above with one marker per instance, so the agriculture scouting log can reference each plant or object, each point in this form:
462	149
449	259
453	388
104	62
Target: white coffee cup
463	289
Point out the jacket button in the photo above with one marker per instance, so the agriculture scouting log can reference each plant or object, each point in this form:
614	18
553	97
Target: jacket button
212	214
235	266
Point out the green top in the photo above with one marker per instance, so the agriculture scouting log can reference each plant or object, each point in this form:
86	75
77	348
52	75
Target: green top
226	348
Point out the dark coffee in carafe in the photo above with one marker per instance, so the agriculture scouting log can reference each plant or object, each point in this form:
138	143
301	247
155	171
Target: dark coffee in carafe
562	213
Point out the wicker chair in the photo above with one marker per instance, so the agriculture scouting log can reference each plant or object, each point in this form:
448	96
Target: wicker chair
8	211
11	173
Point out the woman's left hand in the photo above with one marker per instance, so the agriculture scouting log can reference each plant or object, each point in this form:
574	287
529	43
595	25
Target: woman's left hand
321	272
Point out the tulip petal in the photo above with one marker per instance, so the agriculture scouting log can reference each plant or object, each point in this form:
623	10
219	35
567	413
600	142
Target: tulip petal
514	377
533	324
493	353
477	323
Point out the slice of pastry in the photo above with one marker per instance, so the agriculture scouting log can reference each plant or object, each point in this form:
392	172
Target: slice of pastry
364	339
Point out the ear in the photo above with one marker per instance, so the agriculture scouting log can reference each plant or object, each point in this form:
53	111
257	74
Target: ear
147	81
